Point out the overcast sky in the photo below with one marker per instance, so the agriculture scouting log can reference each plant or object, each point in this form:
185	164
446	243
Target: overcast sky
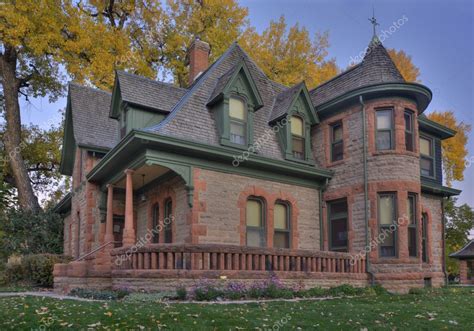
437	34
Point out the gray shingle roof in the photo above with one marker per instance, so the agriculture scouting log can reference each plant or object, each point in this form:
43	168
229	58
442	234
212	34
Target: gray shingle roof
465	252
222	82
283	101
376	67
90	117
147	92
192	120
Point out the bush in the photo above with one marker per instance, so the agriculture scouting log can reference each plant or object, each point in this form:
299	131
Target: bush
344	290
417	291
315	292
14	272
181	293
39	268
97	294
155	297
207	293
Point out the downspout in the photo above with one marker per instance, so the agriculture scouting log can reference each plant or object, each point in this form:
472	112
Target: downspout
321	232
443	233
368	268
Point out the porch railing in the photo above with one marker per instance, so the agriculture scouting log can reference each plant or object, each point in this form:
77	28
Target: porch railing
226	257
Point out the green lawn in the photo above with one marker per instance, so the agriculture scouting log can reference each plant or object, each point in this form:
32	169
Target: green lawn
443	310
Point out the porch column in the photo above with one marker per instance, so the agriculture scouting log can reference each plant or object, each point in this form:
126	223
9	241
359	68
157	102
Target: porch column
129	231
109	222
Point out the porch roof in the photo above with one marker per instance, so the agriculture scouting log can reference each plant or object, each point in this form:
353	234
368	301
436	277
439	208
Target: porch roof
466	252
140	148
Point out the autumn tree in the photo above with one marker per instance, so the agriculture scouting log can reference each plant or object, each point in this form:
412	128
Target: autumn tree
454	149
290	56
405	65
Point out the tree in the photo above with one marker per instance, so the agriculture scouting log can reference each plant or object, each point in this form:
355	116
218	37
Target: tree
289	57
460	220
454	149
405	65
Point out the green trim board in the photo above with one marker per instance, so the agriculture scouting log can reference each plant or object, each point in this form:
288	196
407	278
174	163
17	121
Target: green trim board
420	93
141	147
434	128
64	206
68	151
439	190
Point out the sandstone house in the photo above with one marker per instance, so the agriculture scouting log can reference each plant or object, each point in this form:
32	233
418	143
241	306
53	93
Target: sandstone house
240	177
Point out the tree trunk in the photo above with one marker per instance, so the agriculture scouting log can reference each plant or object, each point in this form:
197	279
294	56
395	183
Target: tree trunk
12	138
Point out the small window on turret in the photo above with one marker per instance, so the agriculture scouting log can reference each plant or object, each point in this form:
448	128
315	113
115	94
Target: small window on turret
384	134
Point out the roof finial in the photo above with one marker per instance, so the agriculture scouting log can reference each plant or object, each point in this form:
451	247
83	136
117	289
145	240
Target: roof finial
374	23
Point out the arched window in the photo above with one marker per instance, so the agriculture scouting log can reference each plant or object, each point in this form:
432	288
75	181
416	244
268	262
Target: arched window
281	225
167	222
297	137
155	223
255	218
238	121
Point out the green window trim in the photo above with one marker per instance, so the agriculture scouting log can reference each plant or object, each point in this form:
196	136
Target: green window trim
335	217
287	230
388	228
429	158
259	230
409	117
412	225
337	143
155	223
379	132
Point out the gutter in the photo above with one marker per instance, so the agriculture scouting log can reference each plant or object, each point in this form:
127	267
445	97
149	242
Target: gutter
321	232
443	233
368	268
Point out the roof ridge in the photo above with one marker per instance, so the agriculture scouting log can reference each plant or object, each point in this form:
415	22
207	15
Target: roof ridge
190	91
150	79
95	89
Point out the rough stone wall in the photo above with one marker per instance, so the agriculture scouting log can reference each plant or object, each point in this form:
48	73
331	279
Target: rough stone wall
223	197
67	235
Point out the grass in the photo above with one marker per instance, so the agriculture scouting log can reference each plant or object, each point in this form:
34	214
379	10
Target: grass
437	310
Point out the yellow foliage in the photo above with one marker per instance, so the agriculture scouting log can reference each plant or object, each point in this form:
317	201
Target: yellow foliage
289	57
405	65
454	149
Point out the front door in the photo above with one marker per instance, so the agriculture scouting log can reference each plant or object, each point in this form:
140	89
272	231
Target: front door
119	223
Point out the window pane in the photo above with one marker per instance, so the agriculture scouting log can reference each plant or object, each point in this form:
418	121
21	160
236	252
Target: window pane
338	207
409	141
254	238
155	223
337	151
237	109
412	241
297	126
425	147
387	246
254	213
237	132
384	140
280	214
384	120
298	147
386	210
337	132
281	240
408	122
167	222
411	210
339	233
424	221
427	167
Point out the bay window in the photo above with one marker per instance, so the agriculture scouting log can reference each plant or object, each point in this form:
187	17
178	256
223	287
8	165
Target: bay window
385	130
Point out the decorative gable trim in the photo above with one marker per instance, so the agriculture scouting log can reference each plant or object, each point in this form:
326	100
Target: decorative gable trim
68	151
237	81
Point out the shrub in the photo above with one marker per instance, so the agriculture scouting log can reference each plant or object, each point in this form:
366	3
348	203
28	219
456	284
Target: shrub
181	293
379	290
314	292
95	294
155	297
344	290
14	272
39	268
207	293
417	291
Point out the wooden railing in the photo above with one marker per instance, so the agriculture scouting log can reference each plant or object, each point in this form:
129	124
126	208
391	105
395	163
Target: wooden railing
226	257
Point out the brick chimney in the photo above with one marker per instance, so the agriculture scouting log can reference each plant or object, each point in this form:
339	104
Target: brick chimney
198	58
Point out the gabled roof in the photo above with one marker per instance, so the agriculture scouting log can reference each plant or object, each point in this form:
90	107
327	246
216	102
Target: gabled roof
225	81
191	119
376	67
148	93
465	252
285	100
435	128
92	125
87	124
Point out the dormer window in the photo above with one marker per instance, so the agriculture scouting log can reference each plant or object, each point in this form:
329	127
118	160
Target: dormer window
298	137
238	121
